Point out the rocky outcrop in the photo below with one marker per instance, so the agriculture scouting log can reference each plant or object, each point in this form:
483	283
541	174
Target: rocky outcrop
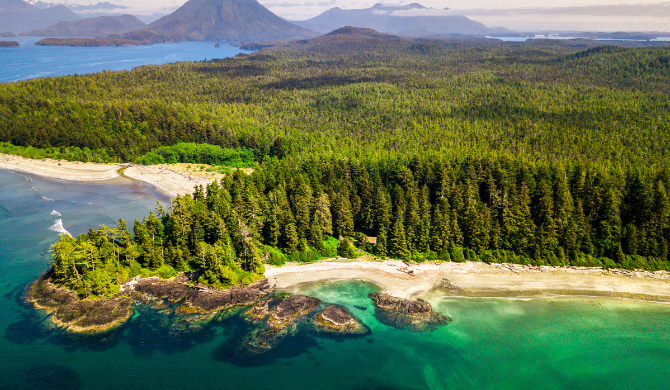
282	316
337	320
176	296
77	315
417	316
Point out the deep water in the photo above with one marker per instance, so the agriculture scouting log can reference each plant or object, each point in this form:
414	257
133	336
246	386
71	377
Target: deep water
30	61
562	343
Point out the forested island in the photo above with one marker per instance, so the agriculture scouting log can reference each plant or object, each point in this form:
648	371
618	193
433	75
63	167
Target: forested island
542	153
87	42
9	44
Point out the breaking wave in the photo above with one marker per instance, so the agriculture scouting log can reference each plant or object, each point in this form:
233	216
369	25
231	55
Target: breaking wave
58	225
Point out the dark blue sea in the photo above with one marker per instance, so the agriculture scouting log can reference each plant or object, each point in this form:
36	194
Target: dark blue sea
516	344
30	61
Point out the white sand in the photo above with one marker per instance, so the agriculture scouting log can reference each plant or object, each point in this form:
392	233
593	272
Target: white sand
167	180
478	279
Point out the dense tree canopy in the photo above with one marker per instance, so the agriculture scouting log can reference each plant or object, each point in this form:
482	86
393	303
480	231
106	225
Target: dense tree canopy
537	153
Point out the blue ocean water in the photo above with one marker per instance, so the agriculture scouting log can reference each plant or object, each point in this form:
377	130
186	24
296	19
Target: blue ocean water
561	343
31	61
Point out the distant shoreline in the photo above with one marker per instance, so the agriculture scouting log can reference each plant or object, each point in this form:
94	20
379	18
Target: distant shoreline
476	279
166	179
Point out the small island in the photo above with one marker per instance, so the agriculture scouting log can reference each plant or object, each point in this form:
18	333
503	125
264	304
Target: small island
7	35
9	44
133	38
87	42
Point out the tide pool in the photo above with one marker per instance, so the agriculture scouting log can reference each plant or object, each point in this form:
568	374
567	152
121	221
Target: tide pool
561	343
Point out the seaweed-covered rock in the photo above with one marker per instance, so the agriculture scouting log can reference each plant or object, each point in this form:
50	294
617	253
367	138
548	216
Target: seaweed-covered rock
153	288
281	316
94	316
337	320
417	316
199	303
45	295
278	317
212	300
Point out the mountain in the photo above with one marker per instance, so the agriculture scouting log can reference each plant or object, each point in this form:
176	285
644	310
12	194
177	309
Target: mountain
17	15
395	19
227	20
91	27
106	6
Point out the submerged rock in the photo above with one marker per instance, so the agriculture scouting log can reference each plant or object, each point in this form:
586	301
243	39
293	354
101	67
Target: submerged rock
278	317
417	316
282	316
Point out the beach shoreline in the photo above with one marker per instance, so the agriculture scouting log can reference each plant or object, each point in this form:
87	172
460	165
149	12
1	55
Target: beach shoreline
169	180
476	279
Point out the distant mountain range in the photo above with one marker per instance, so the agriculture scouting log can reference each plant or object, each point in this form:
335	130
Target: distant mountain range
91	27
106	6
227	20
18	16
413	19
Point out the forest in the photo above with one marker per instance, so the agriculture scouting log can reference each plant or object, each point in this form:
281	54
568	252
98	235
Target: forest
543	153
502	210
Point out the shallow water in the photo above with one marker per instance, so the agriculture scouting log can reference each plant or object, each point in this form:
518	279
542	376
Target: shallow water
31	61
562	343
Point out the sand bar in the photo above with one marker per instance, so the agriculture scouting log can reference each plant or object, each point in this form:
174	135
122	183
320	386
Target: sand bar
475	279
170	181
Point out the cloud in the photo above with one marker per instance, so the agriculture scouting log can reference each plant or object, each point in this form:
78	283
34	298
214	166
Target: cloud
423	12
661	10
308	4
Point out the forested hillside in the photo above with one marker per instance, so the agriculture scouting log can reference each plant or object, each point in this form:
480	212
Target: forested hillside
366	98
539	153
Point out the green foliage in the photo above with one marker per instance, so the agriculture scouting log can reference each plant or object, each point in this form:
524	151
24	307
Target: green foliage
368	100
71	153
346	249
537	153
184	152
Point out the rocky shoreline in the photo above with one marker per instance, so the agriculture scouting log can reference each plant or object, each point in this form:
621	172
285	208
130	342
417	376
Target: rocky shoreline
272	317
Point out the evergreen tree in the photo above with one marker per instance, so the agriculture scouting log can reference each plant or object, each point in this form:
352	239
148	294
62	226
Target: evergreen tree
397	246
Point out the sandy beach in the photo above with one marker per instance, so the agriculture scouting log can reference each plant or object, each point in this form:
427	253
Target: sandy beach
179	179
474	279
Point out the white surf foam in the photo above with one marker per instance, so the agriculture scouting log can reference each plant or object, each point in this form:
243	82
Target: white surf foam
58	227
55	213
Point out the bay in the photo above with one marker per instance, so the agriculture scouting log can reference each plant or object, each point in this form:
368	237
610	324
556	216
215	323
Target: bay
558	343
30	61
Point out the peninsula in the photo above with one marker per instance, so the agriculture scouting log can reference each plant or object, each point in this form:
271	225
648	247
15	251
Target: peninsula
469	161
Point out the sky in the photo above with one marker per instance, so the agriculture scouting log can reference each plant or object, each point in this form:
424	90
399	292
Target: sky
520	15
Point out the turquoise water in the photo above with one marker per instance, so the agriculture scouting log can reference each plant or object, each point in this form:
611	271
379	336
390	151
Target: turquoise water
30	61
564	343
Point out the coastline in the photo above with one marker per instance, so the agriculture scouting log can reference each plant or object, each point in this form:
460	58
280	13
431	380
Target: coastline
169	180
474	279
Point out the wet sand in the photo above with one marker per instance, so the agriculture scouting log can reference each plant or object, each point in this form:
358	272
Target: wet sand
168	180
473	279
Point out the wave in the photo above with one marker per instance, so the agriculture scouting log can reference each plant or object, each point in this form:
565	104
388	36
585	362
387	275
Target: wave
49	199
58	227
55	213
